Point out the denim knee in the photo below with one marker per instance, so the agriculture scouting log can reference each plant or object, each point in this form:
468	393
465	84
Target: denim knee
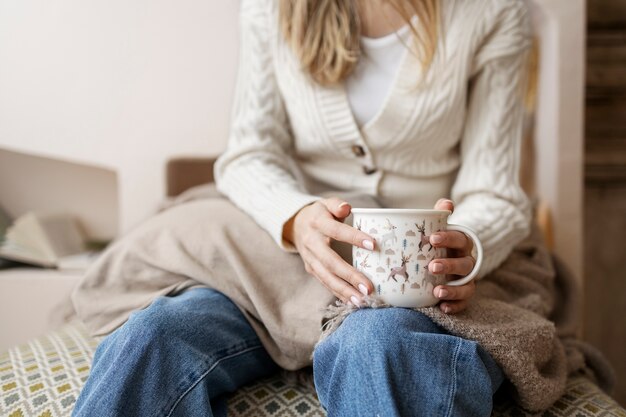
477	377
156	320
167	319
387	360
177	354
380	331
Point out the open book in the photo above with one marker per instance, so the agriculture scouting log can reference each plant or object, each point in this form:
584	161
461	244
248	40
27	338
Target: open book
51	240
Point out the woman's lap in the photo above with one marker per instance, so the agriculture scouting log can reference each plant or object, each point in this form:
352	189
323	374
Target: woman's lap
180	355
395	361
173	358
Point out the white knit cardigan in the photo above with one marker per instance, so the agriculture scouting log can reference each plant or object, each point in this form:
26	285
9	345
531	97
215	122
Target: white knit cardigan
458	136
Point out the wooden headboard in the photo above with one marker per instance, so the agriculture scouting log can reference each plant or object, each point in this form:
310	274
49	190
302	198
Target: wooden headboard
185	172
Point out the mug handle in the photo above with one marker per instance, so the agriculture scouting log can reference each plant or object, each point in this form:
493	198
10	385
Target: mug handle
479	254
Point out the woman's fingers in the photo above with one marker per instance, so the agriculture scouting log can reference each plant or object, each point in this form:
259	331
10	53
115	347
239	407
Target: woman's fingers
450	293
315	226
454	299
451	239
444	204
344	233
340	268
340	288
453	307
337	207
453	266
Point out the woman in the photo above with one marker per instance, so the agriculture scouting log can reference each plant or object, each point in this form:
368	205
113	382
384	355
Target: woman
409	101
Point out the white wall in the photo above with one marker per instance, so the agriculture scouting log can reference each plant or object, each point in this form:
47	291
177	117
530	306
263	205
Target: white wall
559	141
118	84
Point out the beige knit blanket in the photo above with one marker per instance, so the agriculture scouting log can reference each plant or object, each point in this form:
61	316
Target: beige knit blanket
201	238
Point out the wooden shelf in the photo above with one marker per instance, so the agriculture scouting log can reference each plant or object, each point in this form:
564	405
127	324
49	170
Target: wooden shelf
605	127
605	178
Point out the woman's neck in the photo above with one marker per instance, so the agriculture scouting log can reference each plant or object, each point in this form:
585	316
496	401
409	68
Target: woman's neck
379	19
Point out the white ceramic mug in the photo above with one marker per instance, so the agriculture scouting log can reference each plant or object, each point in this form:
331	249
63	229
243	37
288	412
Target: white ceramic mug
398	266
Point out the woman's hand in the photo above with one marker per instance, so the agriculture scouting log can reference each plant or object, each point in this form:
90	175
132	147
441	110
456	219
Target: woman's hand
460	262
311	231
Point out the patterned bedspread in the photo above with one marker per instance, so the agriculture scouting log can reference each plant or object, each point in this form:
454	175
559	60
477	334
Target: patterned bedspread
43	378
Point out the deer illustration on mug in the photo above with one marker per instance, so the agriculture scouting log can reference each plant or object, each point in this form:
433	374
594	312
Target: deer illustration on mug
364	263
424	240
389	236
400	270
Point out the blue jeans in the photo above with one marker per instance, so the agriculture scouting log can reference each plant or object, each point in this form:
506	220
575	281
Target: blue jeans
178	357
182	355
397	362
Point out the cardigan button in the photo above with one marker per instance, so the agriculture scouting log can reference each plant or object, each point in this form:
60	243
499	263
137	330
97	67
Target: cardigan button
358	150
369	171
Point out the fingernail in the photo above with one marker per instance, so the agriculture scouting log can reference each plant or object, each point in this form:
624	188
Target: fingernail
446	309
442	293
436	239
355	301
368	244
343	204
437	267
363	289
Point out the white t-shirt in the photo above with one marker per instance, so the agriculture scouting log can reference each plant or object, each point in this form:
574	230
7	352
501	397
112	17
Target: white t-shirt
370	82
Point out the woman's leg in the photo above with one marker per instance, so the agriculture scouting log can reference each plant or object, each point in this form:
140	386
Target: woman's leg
173	358
397	362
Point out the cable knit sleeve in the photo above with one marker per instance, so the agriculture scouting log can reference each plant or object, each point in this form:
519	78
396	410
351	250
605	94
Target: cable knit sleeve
256	171
487	193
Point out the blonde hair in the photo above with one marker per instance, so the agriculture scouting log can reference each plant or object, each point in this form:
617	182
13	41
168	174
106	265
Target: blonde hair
324	34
